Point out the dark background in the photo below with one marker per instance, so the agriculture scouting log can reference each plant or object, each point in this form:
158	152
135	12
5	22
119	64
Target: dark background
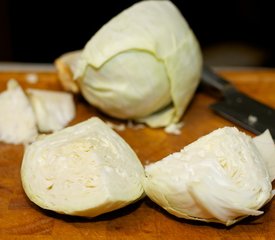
230	32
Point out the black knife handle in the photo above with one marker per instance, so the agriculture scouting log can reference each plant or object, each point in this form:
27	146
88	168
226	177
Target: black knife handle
211	79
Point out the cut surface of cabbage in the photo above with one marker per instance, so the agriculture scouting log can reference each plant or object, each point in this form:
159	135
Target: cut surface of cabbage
83	170
221	177
53	109
17	119
144	64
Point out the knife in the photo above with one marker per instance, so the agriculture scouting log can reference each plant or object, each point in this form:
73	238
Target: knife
237	107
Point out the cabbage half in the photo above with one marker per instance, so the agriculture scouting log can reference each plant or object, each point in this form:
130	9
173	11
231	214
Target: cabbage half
83	170
222	177
144	64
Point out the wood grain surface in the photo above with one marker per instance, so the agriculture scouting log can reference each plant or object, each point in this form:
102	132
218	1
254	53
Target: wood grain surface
21	219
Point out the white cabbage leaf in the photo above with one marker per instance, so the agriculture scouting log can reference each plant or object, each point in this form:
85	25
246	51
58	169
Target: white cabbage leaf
53	109
222	177
17	119
265	145
66	65
144	64
85	170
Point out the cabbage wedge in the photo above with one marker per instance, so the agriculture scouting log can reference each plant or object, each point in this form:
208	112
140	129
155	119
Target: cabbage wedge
222	177
84	170
53	109
17	118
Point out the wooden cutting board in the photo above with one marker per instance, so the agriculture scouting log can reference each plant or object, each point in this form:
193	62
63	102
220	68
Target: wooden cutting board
21	219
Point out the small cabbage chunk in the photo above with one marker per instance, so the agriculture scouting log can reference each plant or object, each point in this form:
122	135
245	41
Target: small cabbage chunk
144	64
221	177
53	109
17	119
83	170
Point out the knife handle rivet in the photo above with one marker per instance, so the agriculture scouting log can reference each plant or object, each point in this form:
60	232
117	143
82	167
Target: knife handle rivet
252	119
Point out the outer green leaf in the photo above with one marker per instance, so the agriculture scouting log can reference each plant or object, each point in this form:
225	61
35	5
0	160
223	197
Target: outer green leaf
157	28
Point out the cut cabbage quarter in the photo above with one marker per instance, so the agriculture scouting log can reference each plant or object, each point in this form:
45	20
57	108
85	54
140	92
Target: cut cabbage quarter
17	119
221	177
83	170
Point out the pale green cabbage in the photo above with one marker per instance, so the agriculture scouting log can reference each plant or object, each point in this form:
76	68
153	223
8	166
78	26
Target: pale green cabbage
17	118
144	64
53	109
222	177
84	170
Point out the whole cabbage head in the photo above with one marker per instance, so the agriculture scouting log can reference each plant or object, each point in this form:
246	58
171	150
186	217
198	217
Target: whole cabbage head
144	64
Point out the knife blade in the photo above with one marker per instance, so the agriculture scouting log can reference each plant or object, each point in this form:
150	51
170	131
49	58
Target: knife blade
238	107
